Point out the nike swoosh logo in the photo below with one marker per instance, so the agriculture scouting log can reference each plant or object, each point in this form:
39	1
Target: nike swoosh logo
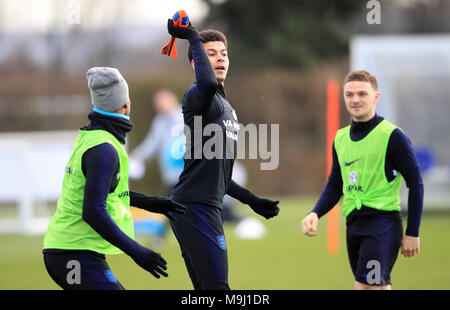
351	162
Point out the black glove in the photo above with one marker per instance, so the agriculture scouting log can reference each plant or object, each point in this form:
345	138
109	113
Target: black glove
156	204
152	262
265	207
182	32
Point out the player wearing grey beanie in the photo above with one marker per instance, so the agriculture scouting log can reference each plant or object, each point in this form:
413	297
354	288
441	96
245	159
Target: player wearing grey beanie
109	90
94	217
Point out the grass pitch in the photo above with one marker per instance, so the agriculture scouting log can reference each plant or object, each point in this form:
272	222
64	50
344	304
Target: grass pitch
283	260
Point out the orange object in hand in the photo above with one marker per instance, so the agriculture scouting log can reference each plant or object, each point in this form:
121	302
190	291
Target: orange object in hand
180	19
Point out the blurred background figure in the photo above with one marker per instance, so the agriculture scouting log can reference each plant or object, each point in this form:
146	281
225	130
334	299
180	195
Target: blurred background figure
164	140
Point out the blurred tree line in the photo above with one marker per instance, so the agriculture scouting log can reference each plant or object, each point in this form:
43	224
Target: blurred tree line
283	33
297	34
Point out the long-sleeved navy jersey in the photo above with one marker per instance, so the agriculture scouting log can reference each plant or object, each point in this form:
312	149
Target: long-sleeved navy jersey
205	180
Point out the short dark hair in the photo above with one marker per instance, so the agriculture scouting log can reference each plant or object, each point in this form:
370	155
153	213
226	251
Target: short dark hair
362	76
209	35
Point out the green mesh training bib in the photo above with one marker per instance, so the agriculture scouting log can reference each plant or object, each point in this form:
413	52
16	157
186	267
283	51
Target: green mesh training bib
67	229
363	170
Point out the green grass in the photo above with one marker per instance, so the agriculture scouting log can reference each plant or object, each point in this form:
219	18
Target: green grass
283	259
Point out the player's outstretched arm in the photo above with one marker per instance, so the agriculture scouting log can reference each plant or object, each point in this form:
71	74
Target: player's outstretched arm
100	165
156	204
262	206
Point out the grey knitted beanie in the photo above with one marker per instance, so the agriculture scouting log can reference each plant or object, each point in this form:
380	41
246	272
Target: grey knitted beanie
109	90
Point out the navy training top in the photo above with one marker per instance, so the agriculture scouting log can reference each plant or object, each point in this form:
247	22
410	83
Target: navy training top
205	179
